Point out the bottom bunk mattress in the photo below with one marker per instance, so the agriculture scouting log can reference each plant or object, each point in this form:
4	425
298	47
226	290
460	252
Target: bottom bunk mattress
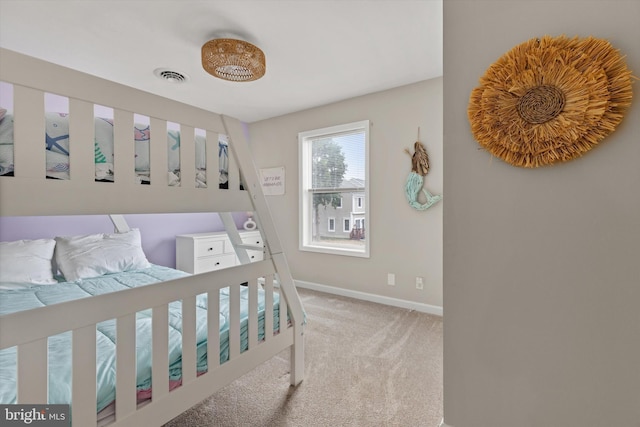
15	298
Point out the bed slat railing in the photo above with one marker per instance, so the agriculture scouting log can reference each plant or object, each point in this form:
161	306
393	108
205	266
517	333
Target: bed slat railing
253	314
213	329
158	154
125	365
123	148
268	302
212	158
32	371
187	156
28	128
284	314
188	339
84	376
81	163
234	321
234	172
160	344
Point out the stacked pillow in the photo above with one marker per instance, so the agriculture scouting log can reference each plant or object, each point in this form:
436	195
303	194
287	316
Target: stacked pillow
76	257
27	261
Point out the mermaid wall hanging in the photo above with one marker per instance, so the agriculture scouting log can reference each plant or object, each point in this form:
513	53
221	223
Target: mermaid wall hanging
415	181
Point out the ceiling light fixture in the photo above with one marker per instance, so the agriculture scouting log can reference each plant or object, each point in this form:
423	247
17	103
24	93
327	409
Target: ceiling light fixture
233	59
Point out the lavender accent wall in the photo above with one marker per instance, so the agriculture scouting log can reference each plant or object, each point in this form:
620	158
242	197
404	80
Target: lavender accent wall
158	230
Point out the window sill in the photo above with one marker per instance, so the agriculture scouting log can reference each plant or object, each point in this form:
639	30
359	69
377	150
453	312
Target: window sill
335	251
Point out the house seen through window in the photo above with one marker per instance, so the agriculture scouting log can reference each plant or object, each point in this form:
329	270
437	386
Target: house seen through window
334	188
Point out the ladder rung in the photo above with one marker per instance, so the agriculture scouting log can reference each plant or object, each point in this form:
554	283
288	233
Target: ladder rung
250	247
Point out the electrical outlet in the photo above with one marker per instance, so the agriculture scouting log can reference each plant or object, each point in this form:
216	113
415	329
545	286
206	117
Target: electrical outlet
391	279
419	283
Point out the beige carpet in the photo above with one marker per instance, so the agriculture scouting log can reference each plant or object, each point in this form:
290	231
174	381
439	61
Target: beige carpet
366	365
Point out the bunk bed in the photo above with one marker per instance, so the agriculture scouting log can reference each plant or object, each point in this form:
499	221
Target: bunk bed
202	331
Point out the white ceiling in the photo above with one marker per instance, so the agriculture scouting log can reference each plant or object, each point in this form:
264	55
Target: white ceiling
318	51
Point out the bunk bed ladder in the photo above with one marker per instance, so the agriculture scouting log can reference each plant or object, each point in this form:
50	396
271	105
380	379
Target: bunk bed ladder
239	145
236	241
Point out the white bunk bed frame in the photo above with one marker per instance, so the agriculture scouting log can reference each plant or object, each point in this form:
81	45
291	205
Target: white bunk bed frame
28	192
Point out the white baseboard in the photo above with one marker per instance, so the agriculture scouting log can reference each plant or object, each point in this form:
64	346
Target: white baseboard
396	302
442	424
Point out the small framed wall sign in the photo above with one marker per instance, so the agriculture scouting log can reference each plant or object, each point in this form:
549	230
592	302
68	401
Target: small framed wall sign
272	180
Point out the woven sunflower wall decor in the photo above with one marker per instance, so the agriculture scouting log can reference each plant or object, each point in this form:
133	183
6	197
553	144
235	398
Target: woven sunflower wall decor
550	100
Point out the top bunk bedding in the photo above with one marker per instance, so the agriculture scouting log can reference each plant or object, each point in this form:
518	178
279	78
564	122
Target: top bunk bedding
56	145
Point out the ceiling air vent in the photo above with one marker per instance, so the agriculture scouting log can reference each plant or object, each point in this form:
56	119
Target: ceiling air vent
170	75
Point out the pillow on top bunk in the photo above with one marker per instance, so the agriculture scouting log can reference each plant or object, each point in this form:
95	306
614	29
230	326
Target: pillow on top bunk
93	255
27	261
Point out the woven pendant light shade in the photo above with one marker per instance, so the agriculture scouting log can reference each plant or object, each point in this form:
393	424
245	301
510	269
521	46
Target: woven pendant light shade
234	60
550	100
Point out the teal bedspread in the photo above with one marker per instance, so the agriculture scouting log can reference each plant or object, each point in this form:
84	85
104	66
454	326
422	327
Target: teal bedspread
20	298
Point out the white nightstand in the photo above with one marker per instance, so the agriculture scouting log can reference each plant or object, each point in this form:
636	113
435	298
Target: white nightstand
200	252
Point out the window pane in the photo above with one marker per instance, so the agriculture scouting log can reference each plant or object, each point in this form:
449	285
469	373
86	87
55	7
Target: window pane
338	162
324	232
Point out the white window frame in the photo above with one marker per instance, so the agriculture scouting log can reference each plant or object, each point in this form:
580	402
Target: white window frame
330	229
346	225
305	226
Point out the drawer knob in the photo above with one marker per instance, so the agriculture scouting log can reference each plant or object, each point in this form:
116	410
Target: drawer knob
210	249
218	263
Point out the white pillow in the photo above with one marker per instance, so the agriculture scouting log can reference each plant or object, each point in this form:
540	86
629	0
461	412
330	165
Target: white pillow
80	257
27	261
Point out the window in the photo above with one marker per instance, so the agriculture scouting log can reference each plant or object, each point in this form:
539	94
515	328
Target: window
347	225
334	174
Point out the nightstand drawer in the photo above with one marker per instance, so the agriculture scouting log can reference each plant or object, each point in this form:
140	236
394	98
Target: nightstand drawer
214	263
207	247
254	239
255	255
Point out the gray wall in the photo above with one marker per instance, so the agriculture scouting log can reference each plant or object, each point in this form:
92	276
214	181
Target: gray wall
541	267
403	241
